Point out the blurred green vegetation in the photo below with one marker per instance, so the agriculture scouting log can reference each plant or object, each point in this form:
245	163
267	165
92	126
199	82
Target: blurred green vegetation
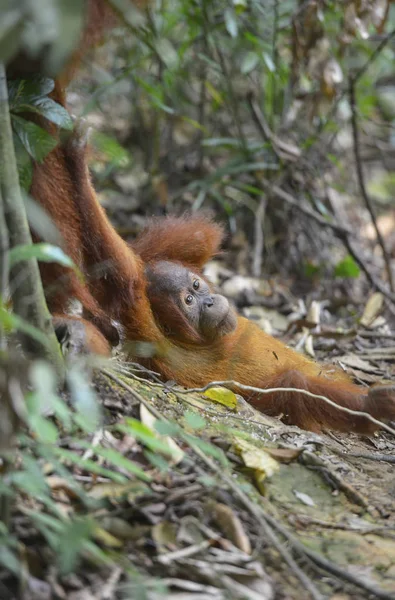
207	104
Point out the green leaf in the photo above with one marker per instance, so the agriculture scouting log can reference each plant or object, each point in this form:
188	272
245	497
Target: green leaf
226	142
145	435
9	560
194	420
88	414
157	461
166	428
88	465
118	460
31	480
311	269
269	62
76	534
249	62
113	151
167	52
156	94
45	431
207	448
48	108
43	252
29	90
347	268
231	23
12	322
44	381
24	163
36	140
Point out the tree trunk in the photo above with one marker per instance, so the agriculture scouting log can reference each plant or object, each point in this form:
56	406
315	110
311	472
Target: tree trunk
28	295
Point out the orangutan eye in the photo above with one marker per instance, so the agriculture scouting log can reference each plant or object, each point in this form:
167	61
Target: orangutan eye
196	284
189	299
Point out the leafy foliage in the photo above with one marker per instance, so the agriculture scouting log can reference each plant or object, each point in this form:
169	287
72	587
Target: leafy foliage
246	95
31	141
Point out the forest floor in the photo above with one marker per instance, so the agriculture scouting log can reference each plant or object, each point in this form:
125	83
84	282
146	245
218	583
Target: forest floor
251	508
229	503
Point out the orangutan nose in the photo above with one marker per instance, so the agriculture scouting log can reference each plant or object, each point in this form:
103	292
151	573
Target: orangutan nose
207	302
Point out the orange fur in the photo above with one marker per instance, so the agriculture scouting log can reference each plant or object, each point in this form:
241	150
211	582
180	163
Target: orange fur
189	241
74	208
250	356
115	288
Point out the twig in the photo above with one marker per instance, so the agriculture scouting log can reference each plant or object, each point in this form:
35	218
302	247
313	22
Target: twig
362	186
169	557
344	233
259	237
108	590
325	564
309	458
268	523
378	457
267	530
275	189
249	388
274	59
230	383
283	150
306	582
234	104
4	265
376	283
373	56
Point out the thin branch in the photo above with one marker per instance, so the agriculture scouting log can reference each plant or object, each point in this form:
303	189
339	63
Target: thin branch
374	55
283	150
259	237
268	531
362	186
344	233
233	101
169	557
29	300
327	565
203	80
230	383
274	59
268	523
389	458
321	127
289	199
256	390
4	265
374	281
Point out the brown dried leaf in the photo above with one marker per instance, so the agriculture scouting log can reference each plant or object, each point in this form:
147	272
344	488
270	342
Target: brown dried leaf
231	527
372	309
284	455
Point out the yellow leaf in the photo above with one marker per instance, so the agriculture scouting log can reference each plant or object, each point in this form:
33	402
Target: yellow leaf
222	396
105	538
257	459
214	93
